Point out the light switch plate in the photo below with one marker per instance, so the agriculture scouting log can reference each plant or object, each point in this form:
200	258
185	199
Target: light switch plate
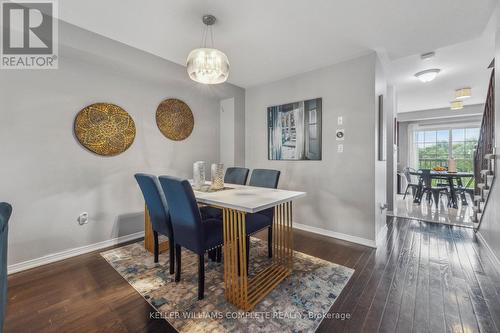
340	148
340	120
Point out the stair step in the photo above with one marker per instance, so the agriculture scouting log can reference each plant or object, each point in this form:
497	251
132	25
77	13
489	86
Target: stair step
478	198
482	186
489	156
486	173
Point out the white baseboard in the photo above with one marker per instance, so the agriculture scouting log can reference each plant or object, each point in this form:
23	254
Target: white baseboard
333	234
485	243
71	253
381	232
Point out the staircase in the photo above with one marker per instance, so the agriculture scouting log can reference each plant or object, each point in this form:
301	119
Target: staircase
484	156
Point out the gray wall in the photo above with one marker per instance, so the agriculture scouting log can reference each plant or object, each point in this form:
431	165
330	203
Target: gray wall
340	188
490	226
50	178
440	114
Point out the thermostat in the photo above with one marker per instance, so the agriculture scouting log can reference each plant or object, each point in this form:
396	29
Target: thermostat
340	134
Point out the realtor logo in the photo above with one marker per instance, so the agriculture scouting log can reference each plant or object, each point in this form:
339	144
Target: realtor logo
29	35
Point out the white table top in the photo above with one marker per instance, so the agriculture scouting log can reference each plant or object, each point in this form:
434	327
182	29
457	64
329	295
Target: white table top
248	199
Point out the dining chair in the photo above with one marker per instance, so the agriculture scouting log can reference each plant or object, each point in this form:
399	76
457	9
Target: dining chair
410	184
263	219
432	191
158	213
5	212
236	175
191	231
466	189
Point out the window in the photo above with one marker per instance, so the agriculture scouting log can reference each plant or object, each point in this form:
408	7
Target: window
435	147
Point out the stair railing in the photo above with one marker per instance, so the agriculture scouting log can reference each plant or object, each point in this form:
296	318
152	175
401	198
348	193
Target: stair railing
484	155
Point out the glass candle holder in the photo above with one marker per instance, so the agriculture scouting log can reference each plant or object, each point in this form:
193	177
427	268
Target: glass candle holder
217	176
198	174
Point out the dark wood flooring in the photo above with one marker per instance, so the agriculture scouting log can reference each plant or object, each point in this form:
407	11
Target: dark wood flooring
424	277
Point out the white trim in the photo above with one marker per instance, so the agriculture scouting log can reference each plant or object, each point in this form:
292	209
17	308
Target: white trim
71	253
381	232
334	234
485	243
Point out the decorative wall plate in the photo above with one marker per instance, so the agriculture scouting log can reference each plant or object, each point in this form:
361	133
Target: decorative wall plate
105	129
174	119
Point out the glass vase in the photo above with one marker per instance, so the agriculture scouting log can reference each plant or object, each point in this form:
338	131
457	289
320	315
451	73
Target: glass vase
217	176
198	174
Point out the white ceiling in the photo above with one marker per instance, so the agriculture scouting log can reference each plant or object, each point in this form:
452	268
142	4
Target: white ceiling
269	40
462	65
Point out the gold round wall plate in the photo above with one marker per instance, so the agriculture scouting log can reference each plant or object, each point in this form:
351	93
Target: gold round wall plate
174	119
105	129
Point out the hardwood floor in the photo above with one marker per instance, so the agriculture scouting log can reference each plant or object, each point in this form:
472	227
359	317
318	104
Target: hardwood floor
424	277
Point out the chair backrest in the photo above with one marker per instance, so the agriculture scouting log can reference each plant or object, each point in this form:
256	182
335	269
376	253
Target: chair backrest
426	177
407	174
184	213
265	178
5	212
156	203
235	175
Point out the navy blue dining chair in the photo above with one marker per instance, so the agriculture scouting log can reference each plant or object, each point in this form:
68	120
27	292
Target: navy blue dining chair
158	213
191	231
263	219
5	212
236	175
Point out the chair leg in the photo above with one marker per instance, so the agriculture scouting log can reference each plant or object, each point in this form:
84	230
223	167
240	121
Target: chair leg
201	276
218	256
270	241
171	253
178	262
436	198
212	254
156	246
406	191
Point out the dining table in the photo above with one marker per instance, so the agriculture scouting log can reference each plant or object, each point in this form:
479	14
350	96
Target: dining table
236	201
449	178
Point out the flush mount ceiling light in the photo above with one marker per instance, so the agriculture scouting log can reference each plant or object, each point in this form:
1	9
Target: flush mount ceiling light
463	93
428	75
456	105
208	65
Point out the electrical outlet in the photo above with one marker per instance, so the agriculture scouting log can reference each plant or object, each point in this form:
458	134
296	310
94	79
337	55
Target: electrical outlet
83	218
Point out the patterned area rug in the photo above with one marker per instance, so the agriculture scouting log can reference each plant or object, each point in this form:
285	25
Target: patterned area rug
298	304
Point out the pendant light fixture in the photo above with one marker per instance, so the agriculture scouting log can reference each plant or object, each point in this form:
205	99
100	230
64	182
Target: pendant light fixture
456	105
463	93
207	64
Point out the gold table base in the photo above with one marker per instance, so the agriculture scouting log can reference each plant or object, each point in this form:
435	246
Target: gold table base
240	290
